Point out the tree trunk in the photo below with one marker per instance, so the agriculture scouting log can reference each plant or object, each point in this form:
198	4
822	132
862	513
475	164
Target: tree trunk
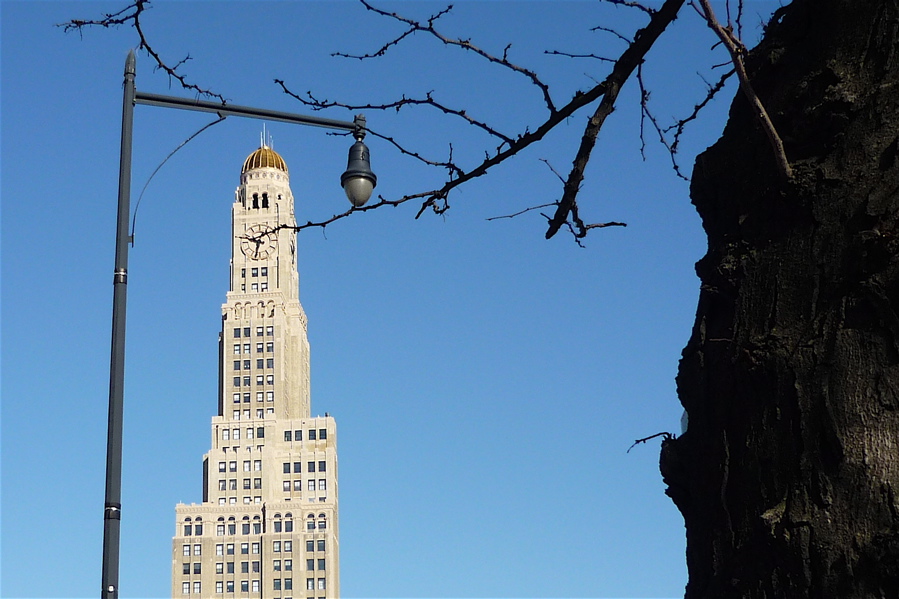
788	474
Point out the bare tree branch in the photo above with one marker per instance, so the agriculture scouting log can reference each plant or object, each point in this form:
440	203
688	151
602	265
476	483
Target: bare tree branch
621	72
131	14
737	51
416	26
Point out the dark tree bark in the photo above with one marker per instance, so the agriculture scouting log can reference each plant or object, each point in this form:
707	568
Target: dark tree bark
788	474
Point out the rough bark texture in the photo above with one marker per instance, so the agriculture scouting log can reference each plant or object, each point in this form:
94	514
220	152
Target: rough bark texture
788	475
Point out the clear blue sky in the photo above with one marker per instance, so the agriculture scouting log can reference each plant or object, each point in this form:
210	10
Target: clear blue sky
486	383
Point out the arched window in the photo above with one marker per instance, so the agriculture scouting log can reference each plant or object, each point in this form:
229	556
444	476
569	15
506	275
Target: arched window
255	200
322	524
310	522
265	200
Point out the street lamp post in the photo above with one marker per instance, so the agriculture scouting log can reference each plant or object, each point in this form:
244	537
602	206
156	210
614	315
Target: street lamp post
358	182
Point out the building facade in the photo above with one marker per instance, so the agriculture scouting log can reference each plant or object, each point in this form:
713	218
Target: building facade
267	525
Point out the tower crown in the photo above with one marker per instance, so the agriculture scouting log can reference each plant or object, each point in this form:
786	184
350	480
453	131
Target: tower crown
264	157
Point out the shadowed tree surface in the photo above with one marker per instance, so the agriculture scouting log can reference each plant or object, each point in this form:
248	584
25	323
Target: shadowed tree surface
788	475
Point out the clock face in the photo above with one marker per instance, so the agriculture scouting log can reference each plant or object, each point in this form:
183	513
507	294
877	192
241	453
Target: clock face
259	242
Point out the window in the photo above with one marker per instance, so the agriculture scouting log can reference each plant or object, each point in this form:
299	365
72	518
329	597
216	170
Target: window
245	528
236	396
232	528
269	410
276	584
232	500
288	546
269	362
198	549
260	430
257	528
310	522
243	274
310	584
321	584
254	287
270	331
235	415
222	466
256	548
286	466
232	466
198	530
185	568
255	584
188	529
288	584
310	467
310	564
259	398
257	465
288	564
237	332
229	549
322	433
246	364
257	483
285	486
220	567
230	567
246	332
249	433
244	548
219	549
244	586
276	565
185	588
298	435
236	381
254	272
229	586
246	399
276	546
197	567
288	526
259	412
235	434
246	348
321	564
321	523
259	331
270	346
220	528
298	485
311	485
270	396
246	381
197	587
246	465
310	546
263	286
312	434
236	364
256	566
322	484
258	348
260	363
287	435
237	348
320	545
259	379
277	526
264	273
219	587
226	434
321	466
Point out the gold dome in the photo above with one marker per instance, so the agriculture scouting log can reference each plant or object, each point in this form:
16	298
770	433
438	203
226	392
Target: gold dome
262	158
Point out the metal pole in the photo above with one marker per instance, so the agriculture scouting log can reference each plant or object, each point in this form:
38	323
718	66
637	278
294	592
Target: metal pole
113	506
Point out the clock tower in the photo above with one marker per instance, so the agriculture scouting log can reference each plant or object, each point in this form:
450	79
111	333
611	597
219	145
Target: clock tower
267	524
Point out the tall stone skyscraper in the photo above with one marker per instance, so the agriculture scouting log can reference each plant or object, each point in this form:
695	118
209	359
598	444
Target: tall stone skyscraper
267	526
